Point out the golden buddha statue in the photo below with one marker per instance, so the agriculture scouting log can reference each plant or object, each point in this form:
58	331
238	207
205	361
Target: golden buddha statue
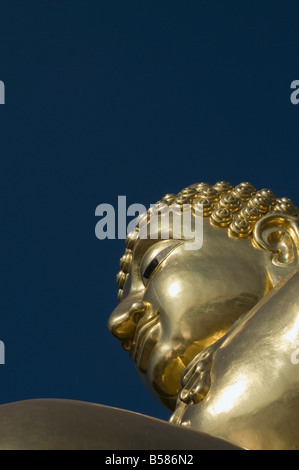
212	328
213	331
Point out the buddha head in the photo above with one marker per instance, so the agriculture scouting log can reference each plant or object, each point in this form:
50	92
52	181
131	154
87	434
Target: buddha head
175	302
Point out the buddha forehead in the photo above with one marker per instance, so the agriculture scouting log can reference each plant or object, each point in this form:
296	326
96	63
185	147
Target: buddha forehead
234	208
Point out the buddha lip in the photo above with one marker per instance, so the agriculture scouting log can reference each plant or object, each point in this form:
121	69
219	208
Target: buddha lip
144	331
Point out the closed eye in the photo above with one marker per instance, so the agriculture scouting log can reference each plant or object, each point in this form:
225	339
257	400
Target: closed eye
154	262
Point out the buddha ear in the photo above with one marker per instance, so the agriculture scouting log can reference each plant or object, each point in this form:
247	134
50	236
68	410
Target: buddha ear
278	233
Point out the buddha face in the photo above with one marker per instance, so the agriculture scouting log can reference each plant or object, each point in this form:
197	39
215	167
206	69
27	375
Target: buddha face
175	302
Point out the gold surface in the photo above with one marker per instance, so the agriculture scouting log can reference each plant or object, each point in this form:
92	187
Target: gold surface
207	329
75	425
252	398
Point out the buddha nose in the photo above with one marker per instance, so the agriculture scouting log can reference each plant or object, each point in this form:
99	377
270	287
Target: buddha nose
123	320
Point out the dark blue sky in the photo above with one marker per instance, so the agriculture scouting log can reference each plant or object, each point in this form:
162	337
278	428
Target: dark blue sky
130	98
